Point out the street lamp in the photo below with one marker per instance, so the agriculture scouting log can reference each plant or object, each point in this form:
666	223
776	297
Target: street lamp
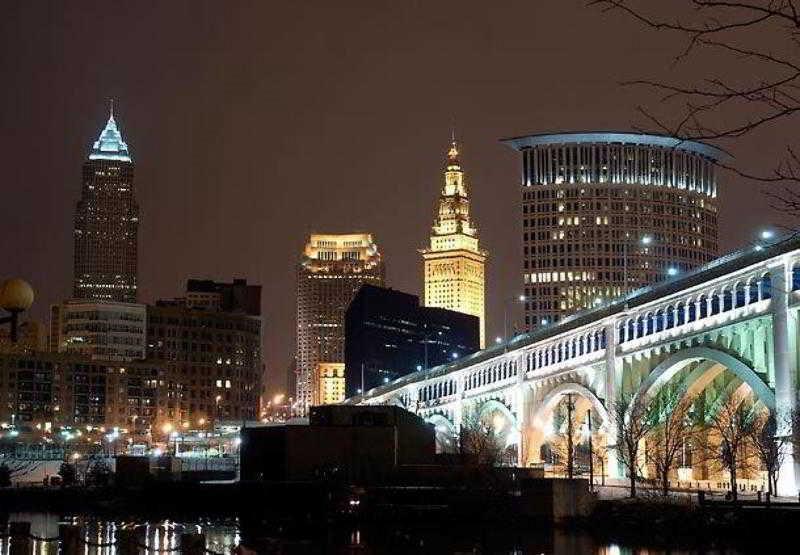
644	240
16	296
520	299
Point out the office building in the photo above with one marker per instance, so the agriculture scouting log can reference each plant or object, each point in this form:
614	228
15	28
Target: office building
212	363
99	330
65	389
237	297
332	269
107	222
454	263
604	213
329	383
388	335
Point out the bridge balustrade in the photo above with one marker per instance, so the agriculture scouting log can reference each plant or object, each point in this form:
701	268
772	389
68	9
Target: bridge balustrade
726	299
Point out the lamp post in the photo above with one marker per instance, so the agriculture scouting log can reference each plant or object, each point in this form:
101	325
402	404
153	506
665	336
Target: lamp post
591	450
506	306
644	240
570	431
16	296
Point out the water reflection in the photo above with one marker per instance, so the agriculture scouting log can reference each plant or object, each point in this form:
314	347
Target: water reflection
222	535
99	535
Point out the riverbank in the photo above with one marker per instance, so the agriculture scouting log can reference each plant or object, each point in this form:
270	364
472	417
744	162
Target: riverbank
680	523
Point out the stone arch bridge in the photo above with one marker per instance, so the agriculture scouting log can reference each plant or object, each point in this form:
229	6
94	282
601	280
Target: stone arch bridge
728	326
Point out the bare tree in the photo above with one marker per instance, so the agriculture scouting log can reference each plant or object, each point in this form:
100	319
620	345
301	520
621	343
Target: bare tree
763	37
480	441
771	445
633	424
733	425
672	425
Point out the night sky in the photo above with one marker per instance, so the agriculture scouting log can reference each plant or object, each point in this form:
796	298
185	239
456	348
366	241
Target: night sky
253	124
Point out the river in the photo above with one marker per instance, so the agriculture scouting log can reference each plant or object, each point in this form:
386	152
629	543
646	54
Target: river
223	535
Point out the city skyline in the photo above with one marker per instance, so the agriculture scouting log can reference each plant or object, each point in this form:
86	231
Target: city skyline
208	180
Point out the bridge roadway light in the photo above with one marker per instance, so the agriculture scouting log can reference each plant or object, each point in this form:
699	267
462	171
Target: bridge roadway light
767	234
498	340
672	271
507	312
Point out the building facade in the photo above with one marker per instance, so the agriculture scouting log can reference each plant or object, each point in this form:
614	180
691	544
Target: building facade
454	263
107	222
389	335
211	361
214	296
606	213
55	389
100	330
329	384
330	273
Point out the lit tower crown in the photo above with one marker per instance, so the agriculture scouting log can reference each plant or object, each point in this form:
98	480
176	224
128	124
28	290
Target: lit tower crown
454	262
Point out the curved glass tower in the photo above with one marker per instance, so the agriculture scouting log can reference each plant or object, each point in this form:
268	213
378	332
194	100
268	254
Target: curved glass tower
604	213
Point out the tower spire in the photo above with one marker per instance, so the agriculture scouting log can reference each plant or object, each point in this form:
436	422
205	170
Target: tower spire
452	152
111	108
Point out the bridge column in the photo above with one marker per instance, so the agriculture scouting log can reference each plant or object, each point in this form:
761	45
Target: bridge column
611	397
784	341
458	411
523	418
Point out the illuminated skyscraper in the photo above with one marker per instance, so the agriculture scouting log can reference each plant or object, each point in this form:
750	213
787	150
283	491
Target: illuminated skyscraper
605	213
332	270
106	222
454	270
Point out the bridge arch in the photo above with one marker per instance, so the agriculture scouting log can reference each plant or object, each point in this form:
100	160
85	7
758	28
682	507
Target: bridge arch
444	432
555	395
672	365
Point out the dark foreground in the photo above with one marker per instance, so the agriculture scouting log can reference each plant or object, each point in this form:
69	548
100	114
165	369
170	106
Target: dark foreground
311	517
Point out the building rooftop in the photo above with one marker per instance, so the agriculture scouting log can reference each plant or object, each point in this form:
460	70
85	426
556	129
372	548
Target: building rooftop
623	137
109	145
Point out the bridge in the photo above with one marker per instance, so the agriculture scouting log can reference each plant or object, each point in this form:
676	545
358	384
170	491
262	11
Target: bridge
727	327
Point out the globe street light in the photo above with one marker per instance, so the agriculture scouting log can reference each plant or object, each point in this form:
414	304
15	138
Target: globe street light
16	295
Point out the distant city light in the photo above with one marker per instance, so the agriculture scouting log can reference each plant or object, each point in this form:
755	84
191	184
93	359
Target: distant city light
544	321
672	271
498	339
419	367
454	355
647	240
522	298
767	234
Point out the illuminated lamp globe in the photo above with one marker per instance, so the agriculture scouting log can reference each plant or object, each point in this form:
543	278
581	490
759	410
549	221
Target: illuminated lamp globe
16	295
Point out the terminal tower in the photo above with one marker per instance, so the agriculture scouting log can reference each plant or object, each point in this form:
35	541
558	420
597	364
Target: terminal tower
454	263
